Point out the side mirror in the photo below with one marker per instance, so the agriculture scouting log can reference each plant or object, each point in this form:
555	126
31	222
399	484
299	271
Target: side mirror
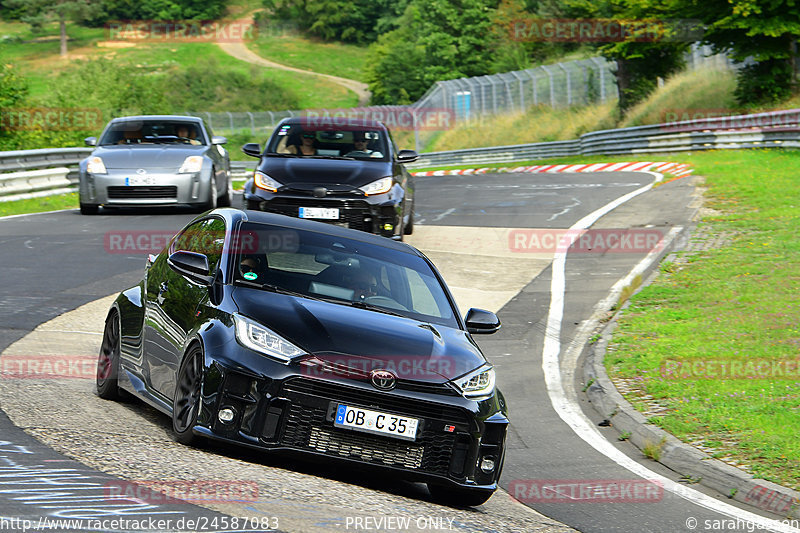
480	321
252	149
218	139
191	265
407	156
90	141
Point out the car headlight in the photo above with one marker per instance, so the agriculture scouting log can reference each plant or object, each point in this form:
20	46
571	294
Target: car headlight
253	335
263	181
96	166
378	187
477	384
192	164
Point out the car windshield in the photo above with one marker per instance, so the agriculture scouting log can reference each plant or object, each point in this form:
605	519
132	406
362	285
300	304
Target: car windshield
303	140
173	132
341	271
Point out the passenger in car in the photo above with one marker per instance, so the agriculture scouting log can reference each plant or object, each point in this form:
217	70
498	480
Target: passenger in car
252	268
130	137
307	146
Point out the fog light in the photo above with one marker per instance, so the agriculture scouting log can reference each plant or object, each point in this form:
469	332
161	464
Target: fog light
487	465
227	414
388	227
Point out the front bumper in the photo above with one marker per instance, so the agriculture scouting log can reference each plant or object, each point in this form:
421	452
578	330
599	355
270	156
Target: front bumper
162	188
296	414
379	214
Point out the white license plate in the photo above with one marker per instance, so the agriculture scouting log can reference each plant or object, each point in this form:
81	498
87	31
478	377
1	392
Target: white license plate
319	212
368	421
140	180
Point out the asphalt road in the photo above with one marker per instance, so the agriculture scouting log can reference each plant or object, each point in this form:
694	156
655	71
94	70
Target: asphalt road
53	263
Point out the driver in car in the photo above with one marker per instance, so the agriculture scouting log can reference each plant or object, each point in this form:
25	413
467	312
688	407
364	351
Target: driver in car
363	285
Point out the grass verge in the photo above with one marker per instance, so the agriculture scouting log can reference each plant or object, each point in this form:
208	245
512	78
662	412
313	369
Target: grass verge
39	205
733	305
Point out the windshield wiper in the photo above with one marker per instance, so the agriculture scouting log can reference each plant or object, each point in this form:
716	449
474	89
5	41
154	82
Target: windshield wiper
272	288
330	157
371	307
276	154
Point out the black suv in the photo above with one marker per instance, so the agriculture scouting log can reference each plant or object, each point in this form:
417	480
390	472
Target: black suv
340	171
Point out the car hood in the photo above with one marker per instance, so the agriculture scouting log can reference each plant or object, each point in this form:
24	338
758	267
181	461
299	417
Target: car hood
147	156
363	340
290	171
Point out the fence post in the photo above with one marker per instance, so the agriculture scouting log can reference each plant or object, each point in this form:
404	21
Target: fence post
552	87
252	123
521	92
602	71
569	84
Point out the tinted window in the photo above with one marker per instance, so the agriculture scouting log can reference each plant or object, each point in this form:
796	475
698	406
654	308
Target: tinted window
204	237
343	271
357	143
173	132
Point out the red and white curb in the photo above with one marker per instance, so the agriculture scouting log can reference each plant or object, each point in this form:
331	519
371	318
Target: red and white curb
676	169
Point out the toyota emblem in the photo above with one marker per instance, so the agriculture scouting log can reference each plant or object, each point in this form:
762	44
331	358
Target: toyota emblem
383	379
141	171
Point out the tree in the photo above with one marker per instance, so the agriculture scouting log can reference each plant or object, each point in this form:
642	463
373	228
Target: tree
762	33
435	40
39	12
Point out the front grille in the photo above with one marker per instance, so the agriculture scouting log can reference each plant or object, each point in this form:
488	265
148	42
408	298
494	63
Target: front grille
352	214
153	191
355	445
382	400
307	427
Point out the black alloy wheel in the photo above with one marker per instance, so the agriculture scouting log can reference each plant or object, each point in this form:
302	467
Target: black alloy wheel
186	405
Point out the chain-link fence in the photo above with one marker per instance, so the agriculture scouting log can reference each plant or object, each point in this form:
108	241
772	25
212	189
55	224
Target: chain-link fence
565	84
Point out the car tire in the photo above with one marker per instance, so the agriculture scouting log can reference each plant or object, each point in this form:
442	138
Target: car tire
225	199
456	497
88	209
108	360
186	404
408	229
211	203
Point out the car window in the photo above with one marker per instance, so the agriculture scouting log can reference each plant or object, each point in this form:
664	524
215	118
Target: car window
356	143
204	237
345	271
147	132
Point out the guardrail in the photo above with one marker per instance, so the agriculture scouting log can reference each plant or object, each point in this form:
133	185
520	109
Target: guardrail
778	129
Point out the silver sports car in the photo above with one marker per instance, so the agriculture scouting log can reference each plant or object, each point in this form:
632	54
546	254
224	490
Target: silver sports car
155	160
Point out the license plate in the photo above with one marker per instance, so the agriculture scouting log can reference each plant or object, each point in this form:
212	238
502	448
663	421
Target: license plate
319	212
140	180
368	421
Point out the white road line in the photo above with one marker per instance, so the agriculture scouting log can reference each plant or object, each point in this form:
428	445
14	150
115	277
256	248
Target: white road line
568	409
7	217
440	216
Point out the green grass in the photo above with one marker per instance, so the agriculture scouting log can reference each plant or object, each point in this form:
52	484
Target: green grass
737	303
38	57
39	205
295	50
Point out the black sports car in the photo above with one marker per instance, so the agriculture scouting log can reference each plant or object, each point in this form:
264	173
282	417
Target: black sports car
285	334
348	173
